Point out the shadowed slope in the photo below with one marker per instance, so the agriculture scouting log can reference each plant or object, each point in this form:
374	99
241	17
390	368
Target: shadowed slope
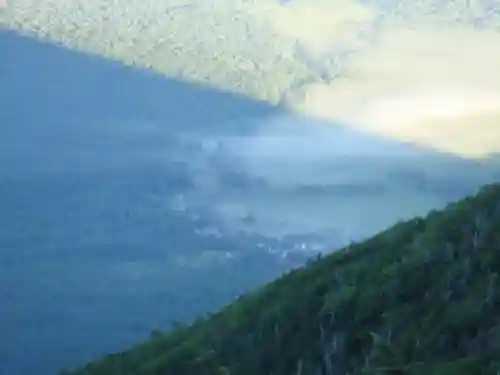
93	253
54	97
85	227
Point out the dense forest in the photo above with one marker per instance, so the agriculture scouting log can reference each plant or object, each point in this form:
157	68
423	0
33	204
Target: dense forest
422	297
259	48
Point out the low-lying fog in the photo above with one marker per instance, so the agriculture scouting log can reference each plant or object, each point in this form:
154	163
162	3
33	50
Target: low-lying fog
298	174
128	200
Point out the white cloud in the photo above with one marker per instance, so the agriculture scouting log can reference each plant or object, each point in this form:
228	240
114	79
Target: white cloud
439	88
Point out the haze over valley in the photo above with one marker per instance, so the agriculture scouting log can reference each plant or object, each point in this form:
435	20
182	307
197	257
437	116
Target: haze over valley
160	158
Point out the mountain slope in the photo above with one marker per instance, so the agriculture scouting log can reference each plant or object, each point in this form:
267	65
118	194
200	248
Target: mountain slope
422	297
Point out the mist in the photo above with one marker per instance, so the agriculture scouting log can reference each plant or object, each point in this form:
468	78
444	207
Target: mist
414	84
129	198
297	174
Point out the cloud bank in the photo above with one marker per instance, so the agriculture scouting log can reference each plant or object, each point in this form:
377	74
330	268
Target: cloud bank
432	87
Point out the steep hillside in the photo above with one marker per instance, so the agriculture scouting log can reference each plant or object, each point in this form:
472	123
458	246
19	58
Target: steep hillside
422	297
265	49
397	60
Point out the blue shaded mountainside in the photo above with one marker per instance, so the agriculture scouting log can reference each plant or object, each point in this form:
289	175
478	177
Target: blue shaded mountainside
422	297
92	254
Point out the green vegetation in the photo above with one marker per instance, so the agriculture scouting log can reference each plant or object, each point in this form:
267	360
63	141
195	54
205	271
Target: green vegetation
422	297
215	43
254	47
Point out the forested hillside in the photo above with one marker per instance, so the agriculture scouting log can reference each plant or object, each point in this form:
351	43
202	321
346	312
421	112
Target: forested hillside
422	297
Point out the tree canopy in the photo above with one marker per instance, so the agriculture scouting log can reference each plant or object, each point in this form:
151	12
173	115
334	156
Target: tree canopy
422	297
